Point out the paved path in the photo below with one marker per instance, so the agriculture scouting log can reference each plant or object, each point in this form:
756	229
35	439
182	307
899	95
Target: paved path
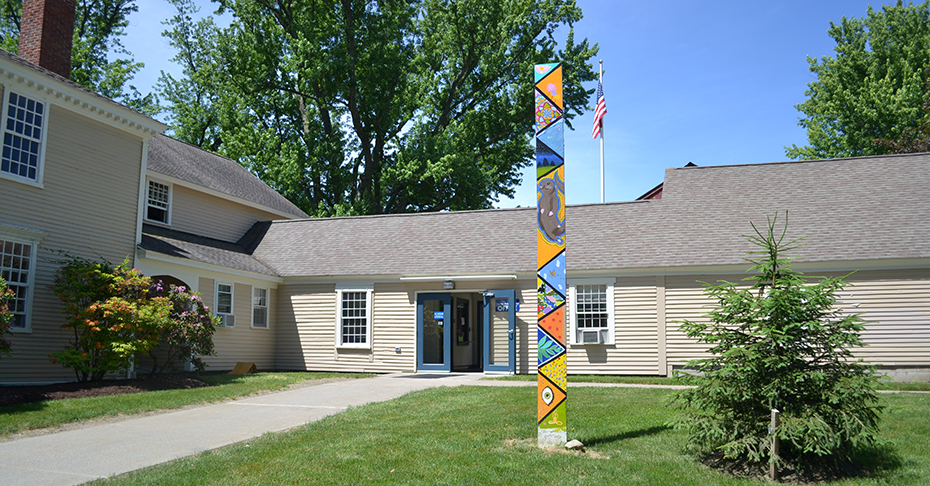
83	454
96	451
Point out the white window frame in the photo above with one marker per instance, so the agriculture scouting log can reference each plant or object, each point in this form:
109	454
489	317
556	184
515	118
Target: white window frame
232	299
40	163
31	238
609	337
148	203
256	305
369	318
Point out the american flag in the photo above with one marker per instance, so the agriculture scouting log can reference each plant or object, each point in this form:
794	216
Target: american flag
600	110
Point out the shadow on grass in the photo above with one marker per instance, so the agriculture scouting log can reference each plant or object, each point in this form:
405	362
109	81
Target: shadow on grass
633	434
880	462
23	407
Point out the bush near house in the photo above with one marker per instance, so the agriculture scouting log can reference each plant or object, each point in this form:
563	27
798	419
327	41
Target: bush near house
6	295
188	332
781	344
116	314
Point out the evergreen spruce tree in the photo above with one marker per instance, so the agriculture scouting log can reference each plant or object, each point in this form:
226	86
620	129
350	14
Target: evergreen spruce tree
781	344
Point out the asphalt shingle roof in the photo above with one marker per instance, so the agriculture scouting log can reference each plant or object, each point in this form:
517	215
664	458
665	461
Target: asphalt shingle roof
867	208
192	164
198	248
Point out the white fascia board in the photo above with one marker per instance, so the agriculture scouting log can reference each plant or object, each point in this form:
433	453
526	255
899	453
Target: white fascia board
190	185
80	101
458	278
161	257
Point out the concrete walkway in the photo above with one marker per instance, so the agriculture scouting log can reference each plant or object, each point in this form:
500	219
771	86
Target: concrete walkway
87	453
97	451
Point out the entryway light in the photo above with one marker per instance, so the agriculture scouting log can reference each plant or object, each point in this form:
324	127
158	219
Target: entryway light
448	285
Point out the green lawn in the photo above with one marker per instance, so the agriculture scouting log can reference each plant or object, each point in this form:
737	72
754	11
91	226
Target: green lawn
53	413
638	380
486	435
684	380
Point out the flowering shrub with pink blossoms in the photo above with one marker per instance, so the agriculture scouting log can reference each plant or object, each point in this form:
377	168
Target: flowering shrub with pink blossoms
6	295
116	315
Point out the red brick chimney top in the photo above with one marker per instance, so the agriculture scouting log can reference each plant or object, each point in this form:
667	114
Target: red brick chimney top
45	34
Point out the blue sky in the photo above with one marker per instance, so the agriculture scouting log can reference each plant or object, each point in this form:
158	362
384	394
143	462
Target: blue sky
709	82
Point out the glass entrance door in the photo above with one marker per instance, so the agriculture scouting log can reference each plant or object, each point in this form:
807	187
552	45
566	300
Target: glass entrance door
500	317
434	332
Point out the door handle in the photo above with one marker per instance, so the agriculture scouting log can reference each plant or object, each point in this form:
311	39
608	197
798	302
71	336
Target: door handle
511	334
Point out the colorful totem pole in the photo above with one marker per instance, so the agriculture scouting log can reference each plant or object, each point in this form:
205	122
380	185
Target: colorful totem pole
550	255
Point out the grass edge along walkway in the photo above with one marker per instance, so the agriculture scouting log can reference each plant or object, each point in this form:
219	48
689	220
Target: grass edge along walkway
884	385
55	413
486	435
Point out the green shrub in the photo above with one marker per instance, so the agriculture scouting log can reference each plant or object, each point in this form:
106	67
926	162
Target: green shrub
116	314
781	344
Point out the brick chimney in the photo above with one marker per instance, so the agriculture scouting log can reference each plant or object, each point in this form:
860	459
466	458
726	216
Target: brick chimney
45	33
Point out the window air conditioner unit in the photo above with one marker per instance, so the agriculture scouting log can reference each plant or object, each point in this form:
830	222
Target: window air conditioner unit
227	320
591	336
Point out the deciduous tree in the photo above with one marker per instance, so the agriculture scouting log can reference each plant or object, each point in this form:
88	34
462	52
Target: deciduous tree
99	26
362	106
872	89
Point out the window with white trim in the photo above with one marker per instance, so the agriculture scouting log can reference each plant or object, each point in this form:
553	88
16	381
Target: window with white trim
158	203
354	318
16	267
224	299
260	308
23	132
592	311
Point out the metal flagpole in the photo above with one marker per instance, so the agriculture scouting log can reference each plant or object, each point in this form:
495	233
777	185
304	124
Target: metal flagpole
601	81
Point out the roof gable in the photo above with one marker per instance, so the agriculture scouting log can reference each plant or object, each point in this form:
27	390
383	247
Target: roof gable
199	167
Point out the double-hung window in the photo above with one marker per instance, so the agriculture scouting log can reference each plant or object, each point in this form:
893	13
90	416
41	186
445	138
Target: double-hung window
224	304
158	203
224	298
23	133
354	318
260	308
592	311
17	260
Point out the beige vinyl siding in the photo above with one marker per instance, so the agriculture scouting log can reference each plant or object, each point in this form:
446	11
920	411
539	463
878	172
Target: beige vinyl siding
685	300
305	332
635	348
897	305
242	342
306	327
394	327
88	207
195	212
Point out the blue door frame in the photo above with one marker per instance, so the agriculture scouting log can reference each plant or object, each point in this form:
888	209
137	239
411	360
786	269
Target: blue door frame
510	295
446	364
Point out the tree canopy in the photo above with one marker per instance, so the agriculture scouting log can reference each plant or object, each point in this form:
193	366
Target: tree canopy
367	107
873	89
99	26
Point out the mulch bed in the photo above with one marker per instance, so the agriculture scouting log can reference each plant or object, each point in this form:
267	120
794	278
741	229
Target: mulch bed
15	395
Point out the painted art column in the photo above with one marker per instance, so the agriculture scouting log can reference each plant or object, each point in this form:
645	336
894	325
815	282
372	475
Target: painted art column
550	256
